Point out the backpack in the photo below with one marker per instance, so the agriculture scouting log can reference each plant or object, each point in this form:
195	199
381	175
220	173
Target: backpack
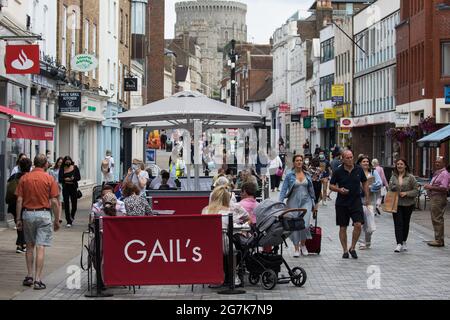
11	187
105	166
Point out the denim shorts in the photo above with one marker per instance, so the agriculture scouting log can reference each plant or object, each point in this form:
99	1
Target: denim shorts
38	227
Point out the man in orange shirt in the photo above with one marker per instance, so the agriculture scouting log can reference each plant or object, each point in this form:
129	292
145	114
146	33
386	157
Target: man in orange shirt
35	192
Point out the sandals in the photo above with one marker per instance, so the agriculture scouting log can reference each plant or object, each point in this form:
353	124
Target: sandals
39	285
28	281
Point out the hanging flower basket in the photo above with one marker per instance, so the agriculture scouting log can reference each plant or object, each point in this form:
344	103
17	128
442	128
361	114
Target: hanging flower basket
402	134
428	125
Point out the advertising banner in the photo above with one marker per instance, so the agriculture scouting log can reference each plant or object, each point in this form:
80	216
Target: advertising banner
329	113
162	250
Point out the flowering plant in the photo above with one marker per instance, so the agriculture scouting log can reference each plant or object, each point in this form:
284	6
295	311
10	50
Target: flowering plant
402	134
428	124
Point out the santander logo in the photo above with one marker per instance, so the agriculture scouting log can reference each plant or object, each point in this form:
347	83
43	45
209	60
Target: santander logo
22	63
22	59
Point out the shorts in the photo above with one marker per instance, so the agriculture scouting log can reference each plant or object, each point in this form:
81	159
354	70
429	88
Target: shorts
38	227
344	213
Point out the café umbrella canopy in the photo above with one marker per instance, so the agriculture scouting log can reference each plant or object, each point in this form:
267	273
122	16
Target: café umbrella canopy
435	139
188	106
189	110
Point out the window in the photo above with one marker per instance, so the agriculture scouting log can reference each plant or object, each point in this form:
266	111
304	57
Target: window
64	37
327	50
94	47
121	25
127	29
325	87
120	80
138	17
114	19
74	35
86	36
445	59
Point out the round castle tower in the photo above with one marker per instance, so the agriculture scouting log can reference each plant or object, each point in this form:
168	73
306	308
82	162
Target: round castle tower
214	24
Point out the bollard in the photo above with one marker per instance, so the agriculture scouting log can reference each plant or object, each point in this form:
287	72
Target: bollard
98	264
232	287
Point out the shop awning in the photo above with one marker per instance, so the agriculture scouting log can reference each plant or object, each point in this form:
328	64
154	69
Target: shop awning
435	139
25	126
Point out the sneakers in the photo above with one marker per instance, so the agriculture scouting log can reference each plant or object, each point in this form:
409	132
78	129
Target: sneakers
363	246
404	248
296	254
304	250
353	254
436	243
398	248
20	249
237	281
68	226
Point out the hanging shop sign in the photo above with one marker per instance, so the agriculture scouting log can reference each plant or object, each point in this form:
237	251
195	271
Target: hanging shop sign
295	117
70	102
329	113
346	123
284	107
84	63
130	84
337	93
22	59
447	94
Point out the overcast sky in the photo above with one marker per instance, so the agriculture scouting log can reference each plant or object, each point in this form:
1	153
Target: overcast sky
263	16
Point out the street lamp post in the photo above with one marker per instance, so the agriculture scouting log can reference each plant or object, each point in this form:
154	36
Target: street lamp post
233	58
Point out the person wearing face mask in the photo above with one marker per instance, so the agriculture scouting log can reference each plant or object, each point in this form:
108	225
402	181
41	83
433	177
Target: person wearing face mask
137	175
68	176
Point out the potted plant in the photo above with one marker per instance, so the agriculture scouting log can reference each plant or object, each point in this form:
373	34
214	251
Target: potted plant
428	125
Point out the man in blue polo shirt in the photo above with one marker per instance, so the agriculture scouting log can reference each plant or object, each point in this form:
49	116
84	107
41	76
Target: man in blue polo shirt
346	181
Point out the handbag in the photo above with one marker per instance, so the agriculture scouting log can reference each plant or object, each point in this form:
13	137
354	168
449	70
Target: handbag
369	220
390	202
279	172
79	194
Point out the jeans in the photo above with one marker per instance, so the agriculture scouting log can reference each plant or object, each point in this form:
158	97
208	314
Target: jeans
70	193
401	223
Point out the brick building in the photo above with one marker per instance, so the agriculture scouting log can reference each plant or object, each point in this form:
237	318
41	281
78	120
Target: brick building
423	55
155	54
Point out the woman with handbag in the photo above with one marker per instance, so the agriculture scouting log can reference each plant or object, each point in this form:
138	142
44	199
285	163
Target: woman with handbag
375	184
69	175
299	191
404	187
275	171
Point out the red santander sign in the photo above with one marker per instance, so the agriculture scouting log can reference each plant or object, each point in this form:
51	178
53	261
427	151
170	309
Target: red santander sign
22	59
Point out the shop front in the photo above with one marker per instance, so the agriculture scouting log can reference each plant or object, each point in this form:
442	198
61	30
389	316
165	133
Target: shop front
18	130
78	137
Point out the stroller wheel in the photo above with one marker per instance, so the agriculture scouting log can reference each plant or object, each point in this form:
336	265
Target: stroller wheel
269	279
253	278
298	276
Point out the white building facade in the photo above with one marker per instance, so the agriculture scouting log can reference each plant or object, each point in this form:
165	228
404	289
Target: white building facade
284	41
326	133
375	79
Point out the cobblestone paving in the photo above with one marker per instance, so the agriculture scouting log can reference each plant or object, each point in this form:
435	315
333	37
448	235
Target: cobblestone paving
421	273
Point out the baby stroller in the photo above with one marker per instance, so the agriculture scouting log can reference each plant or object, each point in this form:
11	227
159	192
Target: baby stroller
274	223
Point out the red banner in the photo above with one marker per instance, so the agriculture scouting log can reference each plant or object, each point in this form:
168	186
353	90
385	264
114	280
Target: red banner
25	131
285	107
22	59
162	250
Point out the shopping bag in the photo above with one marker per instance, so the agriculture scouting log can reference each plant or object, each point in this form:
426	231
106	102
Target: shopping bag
369	219
390	202
383	191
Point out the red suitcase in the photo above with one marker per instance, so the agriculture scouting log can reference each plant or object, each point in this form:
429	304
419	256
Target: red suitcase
313	245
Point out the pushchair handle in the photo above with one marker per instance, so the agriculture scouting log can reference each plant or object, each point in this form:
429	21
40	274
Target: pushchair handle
303	211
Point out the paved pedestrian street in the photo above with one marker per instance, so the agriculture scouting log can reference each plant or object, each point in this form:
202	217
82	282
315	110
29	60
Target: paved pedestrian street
379	273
